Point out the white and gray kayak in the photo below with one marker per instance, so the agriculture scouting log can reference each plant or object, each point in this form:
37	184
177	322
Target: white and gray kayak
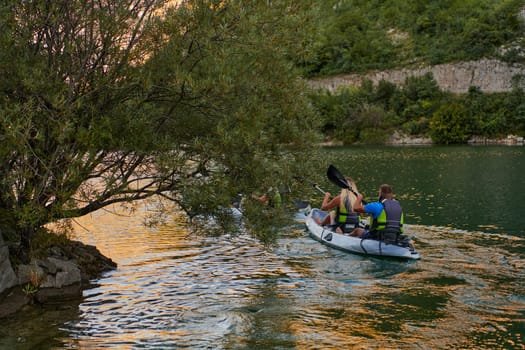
351	244
302	209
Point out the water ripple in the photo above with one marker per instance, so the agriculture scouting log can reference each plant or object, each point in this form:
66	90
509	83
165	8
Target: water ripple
230	293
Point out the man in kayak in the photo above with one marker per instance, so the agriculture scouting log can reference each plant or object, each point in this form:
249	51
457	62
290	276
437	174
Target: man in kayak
344	217
271	197
386	215
274	197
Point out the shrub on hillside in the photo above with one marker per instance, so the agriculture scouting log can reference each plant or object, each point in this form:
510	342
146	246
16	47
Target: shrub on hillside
450	124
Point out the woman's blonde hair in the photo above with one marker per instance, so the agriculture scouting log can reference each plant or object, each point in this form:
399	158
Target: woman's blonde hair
347	194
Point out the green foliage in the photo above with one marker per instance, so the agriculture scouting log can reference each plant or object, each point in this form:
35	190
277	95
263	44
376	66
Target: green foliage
30	290
450	124
419	98
416	127
364	35
109	103
360	36
371	113
514	104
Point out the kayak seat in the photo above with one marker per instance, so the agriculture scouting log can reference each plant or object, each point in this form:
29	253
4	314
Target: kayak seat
388	236
393	236
347	228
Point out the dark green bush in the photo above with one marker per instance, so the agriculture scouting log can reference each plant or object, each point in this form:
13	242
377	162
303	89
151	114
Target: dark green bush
450	124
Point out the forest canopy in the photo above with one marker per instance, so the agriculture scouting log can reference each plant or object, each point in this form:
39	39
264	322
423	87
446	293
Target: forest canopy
373	113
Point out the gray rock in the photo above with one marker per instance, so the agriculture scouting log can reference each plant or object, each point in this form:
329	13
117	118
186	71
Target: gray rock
30	273
47	265
59	277
67	274
7	274
49	273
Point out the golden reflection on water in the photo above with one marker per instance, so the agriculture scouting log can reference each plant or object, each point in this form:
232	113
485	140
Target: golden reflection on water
177	289
131	236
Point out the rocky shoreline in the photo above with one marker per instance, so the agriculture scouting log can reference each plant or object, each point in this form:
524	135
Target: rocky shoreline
400	139
403	139
61	276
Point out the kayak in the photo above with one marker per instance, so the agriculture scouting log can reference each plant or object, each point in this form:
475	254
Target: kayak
302	208
344	242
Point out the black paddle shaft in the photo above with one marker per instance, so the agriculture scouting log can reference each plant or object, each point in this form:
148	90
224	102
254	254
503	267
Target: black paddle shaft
314	185
339	180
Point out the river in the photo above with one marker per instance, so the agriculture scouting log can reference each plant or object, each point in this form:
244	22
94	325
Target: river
464	208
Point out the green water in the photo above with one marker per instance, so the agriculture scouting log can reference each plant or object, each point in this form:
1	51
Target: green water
173	290
460	187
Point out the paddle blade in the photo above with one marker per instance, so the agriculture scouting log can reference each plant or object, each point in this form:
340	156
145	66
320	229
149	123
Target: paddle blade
337	178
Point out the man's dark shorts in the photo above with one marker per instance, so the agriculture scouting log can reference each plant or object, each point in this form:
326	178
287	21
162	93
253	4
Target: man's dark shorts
368	235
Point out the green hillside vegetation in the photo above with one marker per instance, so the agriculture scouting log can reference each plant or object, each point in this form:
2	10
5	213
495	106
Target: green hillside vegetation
359	36
371	113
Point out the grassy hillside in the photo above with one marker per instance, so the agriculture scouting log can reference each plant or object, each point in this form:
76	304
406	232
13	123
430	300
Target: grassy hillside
360	35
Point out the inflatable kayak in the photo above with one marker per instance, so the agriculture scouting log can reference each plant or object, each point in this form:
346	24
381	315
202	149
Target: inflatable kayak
344	242
302	209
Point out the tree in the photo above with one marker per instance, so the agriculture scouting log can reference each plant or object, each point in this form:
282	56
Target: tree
109	102
451	123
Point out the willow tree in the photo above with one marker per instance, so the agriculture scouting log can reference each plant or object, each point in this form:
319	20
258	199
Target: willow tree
105	102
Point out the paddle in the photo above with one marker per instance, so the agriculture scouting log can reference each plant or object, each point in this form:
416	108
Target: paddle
314	185
339	180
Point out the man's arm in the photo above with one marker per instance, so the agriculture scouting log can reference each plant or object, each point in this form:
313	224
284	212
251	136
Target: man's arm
358	205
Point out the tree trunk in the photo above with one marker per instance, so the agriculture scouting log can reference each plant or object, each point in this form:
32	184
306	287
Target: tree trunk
26	234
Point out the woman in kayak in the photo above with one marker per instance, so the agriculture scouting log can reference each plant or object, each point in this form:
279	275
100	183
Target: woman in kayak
343	218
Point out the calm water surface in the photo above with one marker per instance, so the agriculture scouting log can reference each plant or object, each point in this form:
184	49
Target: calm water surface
172	290
459	187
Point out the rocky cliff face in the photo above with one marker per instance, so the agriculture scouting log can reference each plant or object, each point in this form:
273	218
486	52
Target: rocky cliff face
489	75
